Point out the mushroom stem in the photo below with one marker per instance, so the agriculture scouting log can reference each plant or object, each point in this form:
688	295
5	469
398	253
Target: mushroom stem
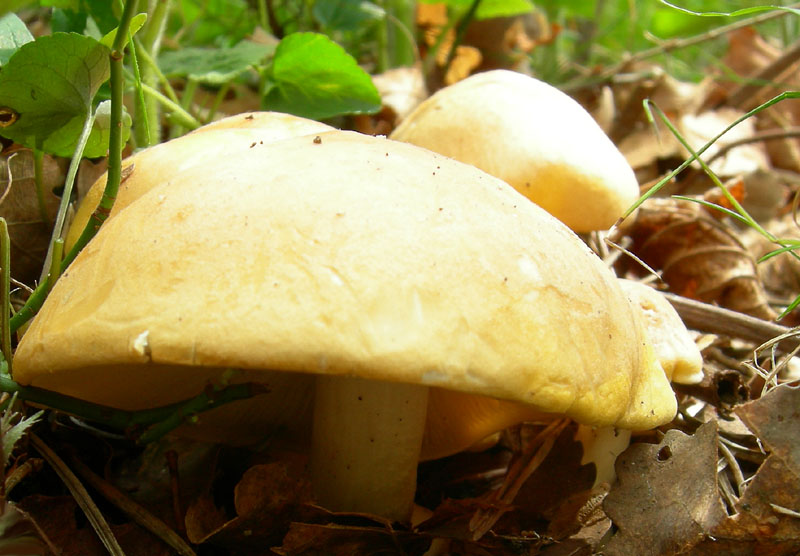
601	446
366	442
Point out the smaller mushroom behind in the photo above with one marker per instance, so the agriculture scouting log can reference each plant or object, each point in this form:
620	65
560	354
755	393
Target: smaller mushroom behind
532	136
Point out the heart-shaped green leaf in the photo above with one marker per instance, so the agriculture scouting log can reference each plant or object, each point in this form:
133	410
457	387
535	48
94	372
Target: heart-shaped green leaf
312	76
48	84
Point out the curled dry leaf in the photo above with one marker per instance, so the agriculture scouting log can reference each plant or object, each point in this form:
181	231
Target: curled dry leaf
766	519
665	500
19	205
267	498
54	519
698	256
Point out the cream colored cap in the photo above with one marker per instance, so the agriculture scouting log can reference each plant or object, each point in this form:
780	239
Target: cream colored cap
344	254
160	164
532	136
675	349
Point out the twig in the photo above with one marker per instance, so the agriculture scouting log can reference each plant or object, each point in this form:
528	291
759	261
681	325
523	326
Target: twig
678	43
132	509
761	79
768	135
717	320
80	495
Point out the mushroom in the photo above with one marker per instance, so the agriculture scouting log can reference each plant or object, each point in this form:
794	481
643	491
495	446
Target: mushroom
387	275
532	136
676	351
154	166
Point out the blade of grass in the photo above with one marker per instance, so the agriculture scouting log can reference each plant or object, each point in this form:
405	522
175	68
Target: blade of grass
80	495
739	211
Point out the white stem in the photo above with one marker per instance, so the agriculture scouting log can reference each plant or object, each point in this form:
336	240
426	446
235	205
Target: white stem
601	446
366	442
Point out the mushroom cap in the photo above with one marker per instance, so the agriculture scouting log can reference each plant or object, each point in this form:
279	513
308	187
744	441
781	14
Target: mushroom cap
675	349
534	137
230	134
343	255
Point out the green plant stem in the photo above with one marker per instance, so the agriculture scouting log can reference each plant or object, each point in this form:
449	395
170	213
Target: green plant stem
55	263
461	29
38	178
401	25
31	307
5	291
162	79
162	419
151	44
177	112
218	98
114	176
187	97
382	38
63	207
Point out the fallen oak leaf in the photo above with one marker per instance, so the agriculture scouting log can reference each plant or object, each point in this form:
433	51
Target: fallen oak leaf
699	256
775	419
766	520
665	499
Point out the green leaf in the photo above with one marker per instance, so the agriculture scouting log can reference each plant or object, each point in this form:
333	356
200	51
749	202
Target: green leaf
346	15
13	34
48	84
12	433
62	141
503	8
214	66
314	77
490	8
137	22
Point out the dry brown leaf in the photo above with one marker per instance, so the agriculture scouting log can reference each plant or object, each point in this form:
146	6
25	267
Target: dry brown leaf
698	256
19	205
267	498
54	517
766	519
748	54
306	539
775	419
665	500
780	274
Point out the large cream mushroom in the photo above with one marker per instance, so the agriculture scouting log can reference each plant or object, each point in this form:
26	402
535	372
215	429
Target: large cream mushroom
154	166
532	136
385	271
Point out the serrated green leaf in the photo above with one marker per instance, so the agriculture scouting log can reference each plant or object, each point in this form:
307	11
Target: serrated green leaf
49	83
213	66
13	34
137	22
346	15
12	433
312	76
